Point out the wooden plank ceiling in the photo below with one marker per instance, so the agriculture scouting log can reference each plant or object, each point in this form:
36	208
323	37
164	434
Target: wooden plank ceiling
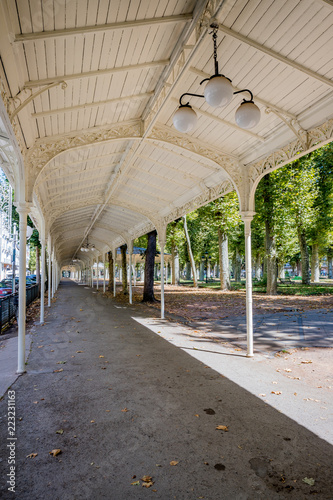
115	57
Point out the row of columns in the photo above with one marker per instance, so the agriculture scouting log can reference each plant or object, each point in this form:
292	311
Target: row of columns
53	280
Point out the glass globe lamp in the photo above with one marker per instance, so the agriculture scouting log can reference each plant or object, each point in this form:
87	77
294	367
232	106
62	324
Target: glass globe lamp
184	119
218	91
247	115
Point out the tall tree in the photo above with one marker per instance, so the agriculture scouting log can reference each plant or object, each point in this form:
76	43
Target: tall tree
148	287
189	250
111	276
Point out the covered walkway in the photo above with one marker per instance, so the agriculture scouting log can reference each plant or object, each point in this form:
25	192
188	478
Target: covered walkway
126	403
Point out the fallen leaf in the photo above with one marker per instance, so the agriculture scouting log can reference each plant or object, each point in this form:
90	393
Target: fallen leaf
309	480
36	402
79	351
174	462
222	428
60	431
147	485
147	479
306	362
136	483
40	346
287	370
56	371
81	309
101	356
32	455
55	452
61	362
196	415
125	409
276	392
92	421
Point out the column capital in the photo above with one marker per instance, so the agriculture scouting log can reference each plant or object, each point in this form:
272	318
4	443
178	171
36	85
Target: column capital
23	208
247	215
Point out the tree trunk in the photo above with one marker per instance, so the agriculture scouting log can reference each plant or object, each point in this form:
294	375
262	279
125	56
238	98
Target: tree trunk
315	264
281	271
271	288
111	277
189	249
174	264
237	266
305	255
188	270
258	267
330	263
123	249
148	287
224	260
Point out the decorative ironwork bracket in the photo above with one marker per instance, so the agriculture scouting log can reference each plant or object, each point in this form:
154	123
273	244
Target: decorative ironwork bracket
32	96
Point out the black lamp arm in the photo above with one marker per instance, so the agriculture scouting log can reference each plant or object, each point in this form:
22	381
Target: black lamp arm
245	90
187	93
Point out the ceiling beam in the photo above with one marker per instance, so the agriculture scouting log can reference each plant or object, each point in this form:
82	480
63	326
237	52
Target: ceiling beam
92	105
26	37
267	104
87	74
275	55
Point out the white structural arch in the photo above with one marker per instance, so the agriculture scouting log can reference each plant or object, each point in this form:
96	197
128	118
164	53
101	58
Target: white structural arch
86	134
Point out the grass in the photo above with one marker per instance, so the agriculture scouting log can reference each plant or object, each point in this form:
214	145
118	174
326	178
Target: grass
295	288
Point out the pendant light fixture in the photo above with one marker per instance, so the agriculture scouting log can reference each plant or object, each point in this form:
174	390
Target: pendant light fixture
218	92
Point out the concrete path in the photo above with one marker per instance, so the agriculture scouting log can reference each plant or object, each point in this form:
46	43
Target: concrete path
127	404
8	361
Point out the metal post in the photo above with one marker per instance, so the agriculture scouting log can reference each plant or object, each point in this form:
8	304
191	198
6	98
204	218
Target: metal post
114	253
14	261
50	278
23	211
104	274
42	285
247	218
130	250
97	272
162	280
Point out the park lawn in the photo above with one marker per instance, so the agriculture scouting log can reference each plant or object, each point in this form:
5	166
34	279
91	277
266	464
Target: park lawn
295	288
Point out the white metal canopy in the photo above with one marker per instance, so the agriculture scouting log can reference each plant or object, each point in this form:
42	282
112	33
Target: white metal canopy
89	88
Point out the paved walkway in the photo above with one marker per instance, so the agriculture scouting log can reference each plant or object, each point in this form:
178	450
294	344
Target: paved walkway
126	404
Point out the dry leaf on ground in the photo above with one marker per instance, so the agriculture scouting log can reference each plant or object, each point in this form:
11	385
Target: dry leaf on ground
125	409
32	455
55	452
60	431
222	428
147	485
174	462
57	371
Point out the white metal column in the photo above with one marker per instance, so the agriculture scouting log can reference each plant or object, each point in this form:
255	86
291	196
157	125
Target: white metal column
114	253
50	276
97	273
247	218
42	284
104	274
130	250
161	231
23	211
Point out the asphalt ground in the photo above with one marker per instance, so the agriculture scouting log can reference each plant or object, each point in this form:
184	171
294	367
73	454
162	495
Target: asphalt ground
127	404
